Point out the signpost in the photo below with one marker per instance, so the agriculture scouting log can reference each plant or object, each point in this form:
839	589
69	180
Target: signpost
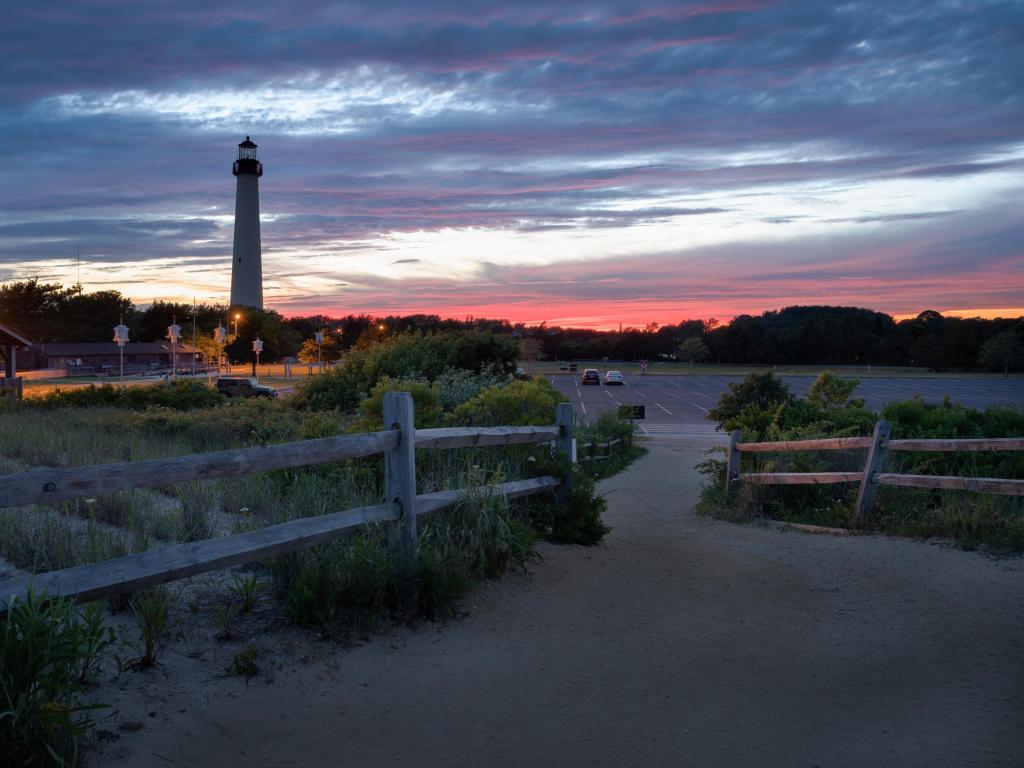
632	412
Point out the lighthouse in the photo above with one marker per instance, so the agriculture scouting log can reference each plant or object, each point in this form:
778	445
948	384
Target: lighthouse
246	261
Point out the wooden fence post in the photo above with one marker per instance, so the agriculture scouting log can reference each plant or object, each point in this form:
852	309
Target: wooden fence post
400	487
732	469
872	465
565	419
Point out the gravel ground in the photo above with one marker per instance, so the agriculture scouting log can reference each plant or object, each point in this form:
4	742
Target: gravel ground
680	641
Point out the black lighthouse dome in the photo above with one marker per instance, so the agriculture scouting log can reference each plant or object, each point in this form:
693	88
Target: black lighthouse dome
247	162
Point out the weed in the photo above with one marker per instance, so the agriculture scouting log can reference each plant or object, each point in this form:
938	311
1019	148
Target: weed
48	650
246	588
152	610
245	662
225	621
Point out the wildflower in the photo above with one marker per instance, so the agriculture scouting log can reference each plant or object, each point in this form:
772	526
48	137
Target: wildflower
244	509
530	458
90	501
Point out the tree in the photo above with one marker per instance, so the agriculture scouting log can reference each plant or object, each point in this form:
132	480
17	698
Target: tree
92	316
1004	351
279	340
530	349
692	350
33	309
832	393
329	351
759	394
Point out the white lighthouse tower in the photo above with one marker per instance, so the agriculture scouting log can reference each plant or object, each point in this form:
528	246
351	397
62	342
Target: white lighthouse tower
247	262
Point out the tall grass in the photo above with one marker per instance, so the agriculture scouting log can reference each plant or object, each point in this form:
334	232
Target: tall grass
49	653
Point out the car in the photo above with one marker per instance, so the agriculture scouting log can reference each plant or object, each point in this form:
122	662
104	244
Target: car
613	378
243	386
590	376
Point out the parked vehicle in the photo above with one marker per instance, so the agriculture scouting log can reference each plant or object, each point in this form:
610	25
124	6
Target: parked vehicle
590	376
243	386
613	378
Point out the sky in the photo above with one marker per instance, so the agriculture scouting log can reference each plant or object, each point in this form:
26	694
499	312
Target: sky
583	164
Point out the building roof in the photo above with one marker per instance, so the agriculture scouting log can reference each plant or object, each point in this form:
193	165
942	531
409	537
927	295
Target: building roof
9	336
86	348
248	143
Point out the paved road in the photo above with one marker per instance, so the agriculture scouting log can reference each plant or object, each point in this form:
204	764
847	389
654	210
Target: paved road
678	405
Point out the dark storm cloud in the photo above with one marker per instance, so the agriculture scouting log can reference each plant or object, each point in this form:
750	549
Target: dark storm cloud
533	116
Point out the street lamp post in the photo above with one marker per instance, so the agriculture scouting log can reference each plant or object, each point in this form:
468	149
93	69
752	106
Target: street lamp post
173	334
121	338
257	347
220	335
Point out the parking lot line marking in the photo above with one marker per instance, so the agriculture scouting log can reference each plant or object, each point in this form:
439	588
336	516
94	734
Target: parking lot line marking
666	410
700	394
698	384
701	407
609	394
672	394
584	407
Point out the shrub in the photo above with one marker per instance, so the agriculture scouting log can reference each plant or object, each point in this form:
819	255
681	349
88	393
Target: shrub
408	356
49	651
521	403
458	385
177	395
426	411
748	403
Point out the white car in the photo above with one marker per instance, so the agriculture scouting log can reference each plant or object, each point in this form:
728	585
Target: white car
613	377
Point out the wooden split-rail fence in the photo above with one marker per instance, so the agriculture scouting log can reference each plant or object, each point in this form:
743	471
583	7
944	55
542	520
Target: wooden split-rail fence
401	507
871	477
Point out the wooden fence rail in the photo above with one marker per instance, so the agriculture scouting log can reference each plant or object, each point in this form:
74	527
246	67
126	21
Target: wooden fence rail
163	564
871	477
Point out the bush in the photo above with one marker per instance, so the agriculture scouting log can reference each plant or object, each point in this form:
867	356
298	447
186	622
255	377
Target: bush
457	385
408	356
178	395
996	523
49	652
426	409
521	403
751	404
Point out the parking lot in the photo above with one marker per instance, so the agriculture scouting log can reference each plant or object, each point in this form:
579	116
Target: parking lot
677	406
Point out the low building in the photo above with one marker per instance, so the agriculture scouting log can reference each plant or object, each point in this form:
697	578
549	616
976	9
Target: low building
85	358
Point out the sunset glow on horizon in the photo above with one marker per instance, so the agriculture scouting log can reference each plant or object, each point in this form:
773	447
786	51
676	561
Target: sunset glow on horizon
580	164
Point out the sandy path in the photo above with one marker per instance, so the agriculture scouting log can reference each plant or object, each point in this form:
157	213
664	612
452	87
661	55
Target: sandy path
681	641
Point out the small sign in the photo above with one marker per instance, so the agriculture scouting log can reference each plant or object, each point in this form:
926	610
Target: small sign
632	411
257	345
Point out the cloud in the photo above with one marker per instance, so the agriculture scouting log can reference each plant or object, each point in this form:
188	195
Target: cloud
585	131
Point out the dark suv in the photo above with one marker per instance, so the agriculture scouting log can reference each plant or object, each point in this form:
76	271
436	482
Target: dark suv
590	376
243	386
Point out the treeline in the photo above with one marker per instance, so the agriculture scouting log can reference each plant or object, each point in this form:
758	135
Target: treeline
815	335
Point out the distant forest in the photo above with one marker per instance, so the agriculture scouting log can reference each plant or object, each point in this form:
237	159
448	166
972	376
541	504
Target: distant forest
820	335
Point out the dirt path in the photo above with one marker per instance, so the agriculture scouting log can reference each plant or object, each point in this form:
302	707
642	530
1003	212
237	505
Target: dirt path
681	641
